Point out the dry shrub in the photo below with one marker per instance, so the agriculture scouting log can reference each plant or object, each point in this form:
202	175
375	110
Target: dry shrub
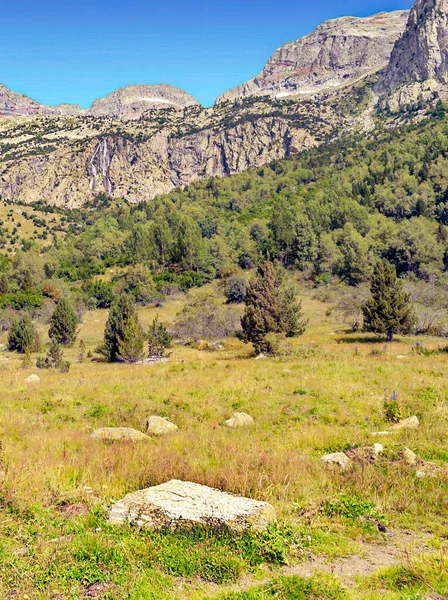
204	319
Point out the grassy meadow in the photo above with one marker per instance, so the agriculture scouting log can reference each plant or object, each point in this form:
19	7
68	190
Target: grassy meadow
56	482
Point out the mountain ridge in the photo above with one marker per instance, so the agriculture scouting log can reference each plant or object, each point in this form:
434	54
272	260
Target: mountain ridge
136	146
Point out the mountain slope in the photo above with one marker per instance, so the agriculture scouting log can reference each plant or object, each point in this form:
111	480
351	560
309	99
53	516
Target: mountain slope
337	52
14	105
125	103
67	161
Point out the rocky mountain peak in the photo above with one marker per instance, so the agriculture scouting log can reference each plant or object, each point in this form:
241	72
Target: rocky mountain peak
132	101
337	52
421	54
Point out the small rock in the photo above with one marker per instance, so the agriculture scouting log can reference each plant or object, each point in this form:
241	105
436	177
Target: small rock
409	423
260	356
409	457
116	434
423	474
378	449
32	379
185	503
337	458
381	433
159	425
99	590
239	419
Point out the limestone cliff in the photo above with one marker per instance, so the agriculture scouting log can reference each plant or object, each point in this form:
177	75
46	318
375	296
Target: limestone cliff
336	53
68	161
419	60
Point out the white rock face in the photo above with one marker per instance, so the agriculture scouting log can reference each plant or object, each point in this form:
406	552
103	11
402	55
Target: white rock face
116	434
337	52
409	423
239	419
182	503
32	379
422	52
159	426
419	61
337	458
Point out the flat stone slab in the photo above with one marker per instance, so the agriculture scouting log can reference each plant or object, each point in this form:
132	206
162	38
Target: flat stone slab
117	434
159	425
183	503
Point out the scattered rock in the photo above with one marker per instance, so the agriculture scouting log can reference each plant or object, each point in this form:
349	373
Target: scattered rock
115	434
159	426
99	590
381	433
422	474
337	458
409	457
409	423
32	379
260	356
184	503
378	449
151	360
239	419
74	510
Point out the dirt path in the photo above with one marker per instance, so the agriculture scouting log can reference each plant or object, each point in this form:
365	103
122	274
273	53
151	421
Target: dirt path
399	547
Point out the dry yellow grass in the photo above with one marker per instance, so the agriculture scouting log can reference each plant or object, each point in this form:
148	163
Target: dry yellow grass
326	398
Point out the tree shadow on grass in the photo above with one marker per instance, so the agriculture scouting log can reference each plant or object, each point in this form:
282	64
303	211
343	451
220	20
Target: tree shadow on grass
363	339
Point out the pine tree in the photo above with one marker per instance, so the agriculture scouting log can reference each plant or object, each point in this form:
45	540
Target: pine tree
22	336
271	307
64	323
130	348
121	312
158	338
389	310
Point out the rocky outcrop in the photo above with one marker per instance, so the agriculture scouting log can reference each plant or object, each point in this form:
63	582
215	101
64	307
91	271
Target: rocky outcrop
419	61
336	53
422	52
132	101
182	503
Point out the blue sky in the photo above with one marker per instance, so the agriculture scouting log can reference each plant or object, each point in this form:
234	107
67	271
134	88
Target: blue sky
65	51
